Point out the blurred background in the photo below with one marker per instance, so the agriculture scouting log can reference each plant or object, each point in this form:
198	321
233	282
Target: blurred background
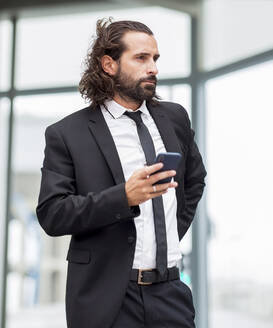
217	61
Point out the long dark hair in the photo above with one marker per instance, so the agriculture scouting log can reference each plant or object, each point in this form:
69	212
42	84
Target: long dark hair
96	85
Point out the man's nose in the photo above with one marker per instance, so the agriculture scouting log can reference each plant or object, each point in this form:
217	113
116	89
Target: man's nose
152	69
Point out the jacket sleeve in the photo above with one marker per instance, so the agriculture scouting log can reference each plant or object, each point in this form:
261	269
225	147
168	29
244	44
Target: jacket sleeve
194	181
60	210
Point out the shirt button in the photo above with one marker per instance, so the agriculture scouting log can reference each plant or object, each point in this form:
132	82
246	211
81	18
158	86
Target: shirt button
131	239
118	216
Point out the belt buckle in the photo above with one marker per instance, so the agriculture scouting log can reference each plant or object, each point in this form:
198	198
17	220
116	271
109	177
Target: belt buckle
140	276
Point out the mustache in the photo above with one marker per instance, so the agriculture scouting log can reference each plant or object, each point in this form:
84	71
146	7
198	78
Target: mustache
150	79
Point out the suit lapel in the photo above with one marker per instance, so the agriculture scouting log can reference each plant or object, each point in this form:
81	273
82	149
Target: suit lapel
165	128
99	129
166	131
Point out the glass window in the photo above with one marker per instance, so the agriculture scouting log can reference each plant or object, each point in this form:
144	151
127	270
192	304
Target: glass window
4	124
234	30
37	275
4	130
5	54
240	189
179	93
50	50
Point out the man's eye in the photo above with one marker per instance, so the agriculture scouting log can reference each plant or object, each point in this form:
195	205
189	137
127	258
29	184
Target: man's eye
140	57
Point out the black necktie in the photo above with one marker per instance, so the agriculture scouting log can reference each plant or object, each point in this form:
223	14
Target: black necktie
158	208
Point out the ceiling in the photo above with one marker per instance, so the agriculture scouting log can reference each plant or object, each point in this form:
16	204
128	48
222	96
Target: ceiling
14	4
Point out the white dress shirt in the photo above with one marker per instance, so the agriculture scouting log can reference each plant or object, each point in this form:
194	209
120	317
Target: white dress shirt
124	133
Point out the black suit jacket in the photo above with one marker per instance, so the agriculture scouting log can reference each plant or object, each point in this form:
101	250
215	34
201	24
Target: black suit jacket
83	195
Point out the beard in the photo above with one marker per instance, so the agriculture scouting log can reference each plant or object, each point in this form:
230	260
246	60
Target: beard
134	90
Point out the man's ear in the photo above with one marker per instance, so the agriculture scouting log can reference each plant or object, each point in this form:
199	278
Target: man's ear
109	65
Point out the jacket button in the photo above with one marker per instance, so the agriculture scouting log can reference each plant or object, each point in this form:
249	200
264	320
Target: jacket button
118	216
131	239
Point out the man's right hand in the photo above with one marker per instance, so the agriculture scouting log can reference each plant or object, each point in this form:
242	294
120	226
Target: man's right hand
139	187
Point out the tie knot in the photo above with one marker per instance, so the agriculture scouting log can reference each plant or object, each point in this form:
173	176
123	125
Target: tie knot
135	116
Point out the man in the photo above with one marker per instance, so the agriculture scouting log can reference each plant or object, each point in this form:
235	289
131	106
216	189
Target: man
99	185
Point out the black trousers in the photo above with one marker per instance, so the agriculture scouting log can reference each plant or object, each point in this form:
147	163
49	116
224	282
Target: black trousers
162	305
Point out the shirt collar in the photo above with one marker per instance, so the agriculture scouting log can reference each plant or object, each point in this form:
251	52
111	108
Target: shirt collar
116	110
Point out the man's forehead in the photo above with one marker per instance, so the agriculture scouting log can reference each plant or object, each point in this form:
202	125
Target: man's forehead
139	42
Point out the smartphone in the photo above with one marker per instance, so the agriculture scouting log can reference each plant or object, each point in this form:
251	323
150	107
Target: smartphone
170	162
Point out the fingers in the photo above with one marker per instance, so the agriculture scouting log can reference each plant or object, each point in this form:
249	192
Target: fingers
161	175
148	170
163	187
160	189
139	188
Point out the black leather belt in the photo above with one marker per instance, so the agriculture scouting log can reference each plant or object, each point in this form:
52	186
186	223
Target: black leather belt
150	276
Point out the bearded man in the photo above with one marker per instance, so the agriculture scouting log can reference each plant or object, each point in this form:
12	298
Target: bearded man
99	185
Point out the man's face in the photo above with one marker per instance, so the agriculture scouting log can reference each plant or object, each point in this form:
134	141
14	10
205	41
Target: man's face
136	79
